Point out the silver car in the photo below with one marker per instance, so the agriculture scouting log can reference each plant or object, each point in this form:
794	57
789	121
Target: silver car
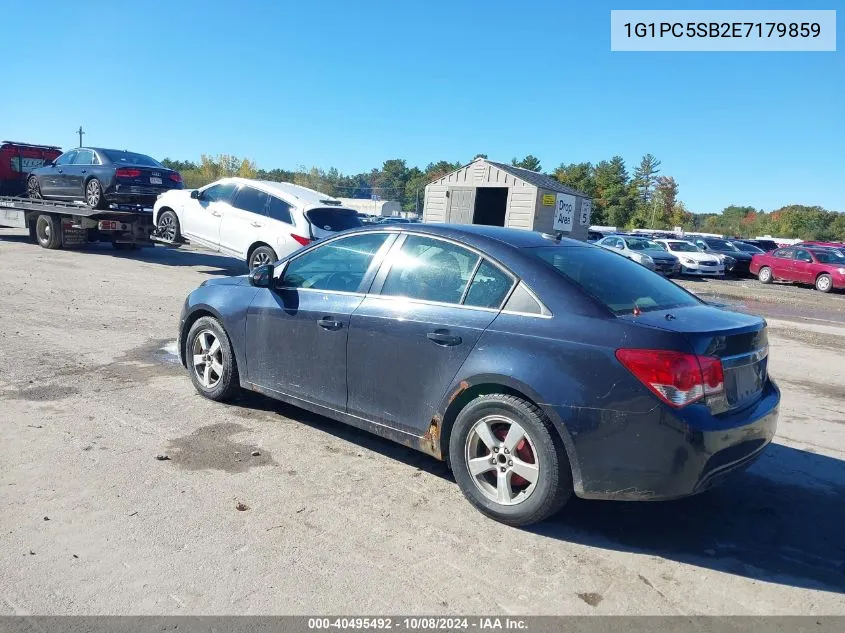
642	251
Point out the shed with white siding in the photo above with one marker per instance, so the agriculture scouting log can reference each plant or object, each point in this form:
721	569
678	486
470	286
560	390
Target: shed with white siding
497	194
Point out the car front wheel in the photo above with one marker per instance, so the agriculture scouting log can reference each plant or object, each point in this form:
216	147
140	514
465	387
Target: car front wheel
168	227
508	460
765	275
211	361
824	283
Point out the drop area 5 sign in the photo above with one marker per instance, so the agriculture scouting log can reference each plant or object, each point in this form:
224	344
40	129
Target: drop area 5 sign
564	212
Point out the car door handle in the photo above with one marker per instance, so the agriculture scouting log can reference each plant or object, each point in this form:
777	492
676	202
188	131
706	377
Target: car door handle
61	172
84	171
327	323
443	338
216	214
256	224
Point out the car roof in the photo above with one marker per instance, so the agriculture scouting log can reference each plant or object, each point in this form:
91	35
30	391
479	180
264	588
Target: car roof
296	194
480	236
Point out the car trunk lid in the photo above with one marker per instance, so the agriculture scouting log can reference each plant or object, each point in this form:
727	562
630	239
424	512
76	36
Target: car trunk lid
325	221
146	176
738	340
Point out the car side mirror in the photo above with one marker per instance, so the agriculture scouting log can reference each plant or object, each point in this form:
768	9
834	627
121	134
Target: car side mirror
261	276
195	194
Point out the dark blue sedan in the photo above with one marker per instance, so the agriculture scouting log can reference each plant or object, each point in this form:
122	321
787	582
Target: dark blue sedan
100	177
536	366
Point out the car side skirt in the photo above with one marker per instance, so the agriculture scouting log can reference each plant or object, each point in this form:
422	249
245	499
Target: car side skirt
428	443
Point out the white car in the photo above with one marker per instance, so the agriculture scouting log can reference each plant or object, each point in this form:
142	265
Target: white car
693	260
257	221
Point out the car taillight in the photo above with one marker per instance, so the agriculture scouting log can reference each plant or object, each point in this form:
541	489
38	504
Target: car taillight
302	240
176	176
125	172
676	378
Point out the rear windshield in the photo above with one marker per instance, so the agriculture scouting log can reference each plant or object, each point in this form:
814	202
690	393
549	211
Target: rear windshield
613	280
829	257
130	158
747	248
330	219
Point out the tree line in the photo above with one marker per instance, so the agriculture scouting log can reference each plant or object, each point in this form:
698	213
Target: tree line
643	198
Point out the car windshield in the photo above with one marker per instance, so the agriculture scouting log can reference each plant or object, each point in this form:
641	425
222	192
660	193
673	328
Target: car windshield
597	272
638	244
683	247
130	158
829	257
655	246
333	219
722	245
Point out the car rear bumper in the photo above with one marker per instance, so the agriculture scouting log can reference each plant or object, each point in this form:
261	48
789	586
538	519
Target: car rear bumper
135	193
657	455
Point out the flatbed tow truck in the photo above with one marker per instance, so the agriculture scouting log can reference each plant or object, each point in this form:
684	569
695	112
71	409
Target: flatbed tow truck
68	224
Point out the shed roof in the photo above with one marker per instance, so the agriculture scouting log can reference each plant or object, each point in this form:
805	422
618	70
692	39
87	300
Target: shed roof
536	178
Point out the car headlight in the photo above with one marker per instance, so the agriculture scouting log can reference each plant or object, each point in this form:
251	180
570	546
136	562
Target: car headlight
644	259
687	260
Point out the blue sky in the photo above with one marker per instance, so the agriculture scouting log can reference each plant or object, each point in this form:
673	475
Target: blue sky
350	84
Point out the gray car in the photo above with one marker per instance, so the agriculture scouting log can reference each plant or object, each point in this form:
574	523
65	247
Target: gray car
538	367
642	251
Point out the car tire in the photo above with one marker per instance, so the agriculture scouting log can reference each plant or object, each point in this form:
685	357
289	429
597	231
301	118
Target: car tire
48	231
260	256
94	196
824	283
167	227
33	188
207	339
495	490
765	275
33	237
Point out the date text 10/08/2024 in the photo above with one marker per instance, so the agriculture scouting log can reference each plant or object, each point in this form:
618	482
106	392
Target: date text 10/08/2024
420	623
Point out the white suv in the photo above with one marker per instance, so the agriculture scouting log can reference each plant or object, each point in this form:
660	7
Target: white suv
257	221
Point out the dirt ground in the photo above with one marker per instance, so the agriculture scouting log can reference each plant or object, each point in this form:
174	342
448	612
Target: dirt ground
327	519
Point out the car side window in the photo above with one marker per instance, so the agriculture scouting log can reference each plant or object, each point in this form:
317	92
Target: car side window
279	210
67	158
338	265
251	199
785	253
489	287
84	157
95	160
803	256
701	244
431	270
219	193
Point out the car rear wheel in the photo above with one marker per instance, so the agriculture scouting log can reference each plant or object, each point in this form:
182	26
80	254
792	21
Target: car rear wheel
33	188
168	227
211	361
261	256
508	460
765	275
94	197
48	231
824	283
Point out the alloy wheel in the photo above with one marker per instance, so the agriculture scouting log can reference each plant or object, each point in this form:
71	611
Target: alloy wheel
260	258
207	359
167	227
92	193
33	189
502	460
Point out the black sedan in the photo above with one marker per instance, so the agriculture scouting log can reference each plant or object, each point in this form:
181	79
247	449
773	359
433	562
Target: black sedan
537	367
737	262
100	177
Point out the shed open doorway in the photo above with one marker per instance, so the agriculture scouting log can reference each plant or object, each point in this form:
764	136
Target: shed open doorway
490	206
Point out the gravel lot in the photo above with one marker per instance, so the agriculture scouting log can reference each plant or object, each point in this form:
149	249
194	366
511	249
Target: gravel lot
337	521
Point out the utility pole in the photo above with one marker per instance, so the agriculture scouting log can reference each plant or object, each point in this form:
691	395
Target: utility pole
80	132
